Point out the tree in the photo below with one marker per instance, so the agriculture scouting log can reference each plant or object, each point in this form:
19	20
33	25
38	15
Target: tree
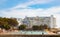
7	27
41	27
2	24
22	27
35	27
45	26
12	22
6	23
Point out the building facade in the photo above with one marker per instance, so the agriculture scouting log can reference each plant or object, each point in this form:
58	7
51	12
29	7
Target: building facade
30	21
19	21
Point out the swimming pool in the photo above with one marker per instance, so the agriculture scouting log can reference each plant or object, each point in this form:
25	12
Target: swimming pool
30	32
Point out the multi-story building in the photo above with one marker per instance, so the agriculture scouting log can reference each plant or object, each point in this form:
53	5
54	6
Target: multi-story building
30	21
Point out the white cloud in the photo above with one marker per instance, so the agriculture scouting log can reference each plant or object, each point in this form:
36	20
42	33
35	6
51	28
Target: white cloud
32	12
31	2
41	1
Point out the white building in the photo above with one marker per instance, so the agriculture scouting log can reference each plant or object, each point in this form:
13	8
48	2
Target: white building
30	21
19	21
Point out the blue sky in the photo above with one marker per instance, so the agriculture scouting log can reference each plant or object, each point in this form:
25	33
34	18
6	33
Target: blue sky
5	4
22	8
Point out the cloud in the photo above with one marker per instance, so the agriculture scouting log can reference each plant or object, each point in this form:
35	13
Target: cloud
53	10
32	12
40	1
32	2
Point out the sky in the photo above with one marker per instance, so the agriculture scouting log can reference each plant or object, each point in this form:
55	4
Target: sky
22	8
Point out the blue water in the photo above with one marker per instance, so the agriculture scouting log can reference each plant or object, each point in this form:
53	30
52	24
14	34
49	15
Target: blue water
30	32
